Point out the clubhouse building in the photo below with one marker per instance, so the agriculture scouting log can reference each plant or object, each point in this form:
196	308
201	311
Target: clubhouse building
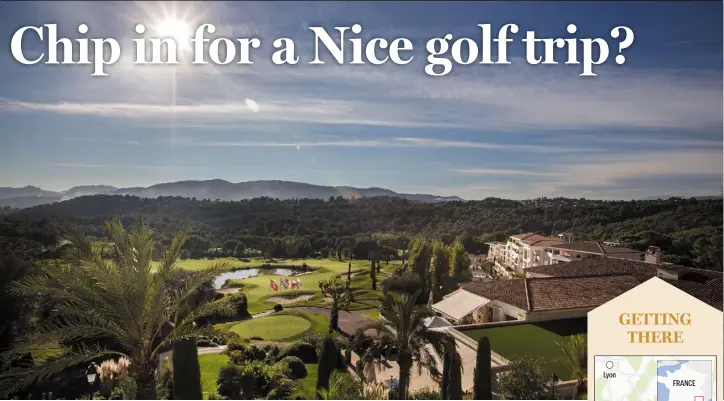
569	290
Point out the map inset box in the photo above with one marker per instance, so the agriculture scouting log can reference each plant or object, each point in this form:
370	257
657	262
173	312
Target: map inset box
654	378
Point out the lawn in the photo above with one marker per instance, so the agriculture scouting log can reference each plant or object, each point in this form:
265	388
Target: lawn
210	365
274	327
287	325
310	382
372	314
536	339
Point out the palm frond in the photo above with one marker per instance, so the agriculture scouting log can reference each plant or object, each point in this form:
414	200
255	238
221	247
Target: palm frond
19	378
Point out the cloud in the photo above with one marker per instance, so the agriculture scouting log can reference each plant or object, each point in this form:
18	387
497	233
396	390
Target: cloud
515	98
402	142
112	166
606	176
493	171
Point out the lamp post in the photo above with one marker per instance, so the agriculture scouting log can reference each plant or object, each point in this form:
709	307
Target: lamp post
91	374
554	380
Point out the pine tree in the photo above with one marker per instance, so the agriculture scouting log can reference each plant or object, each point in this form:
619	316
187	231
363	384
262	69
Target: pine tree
328	362
482	389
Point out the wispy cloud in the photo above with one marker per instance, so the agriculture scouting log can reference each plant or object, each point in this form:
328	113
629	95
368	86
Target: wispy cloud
112	166
519	98
611	175
493	171
402	142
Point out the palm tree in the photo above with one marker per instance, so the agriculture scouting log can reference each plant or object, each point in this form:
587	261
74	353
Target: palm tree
120	299
401	335
575	352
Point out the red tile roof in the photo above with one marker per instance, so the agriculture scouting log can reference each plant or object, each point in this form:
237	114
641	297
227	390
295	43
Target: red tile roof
593	282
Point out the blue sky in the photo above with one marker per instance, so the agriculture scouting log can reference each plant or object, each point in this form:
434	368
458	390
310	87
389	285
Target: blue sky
650	127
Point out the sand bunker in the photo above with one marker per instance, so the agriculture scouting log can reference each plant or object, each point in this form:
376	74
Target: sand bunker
283	300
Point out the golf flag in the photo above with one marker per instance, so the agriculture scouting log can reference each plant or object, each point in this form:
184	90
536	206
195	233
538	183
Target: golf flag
273	285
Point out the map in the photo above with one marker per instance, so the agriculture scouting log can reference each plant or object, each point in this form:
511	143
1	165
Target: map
654	378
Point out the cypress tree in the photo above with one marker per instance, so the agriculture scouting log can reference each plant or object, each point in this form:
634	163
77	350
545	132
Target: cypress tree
445	375
328	362
186	371
482	389
373	276
455	380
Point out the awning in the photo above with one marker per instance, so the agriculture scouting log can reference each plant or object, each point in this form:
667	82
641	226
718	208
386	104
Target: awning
460	304
436	322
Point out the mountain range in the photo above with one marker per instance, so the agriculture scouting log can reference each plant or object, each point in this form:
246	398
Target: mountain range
210	189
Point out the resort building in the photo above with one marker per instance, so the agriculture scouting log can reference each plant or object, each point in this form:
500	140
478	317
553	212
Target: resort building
569	290
524	251
584	250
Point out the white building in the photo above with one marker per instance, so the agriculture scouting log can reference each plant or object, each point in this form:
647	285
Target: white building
524	250
584	250
528	250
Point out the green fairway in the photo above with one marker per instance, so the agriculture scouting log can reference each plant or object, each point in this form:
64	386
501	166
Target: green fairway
257	288
536	339
210	365
275	327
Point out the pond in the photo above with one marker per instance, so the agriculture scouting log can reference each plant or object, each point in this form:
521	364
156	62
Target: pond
246	273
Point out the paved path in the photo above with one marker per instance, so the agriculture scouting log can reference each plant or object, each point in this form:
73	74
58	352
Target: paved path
349	322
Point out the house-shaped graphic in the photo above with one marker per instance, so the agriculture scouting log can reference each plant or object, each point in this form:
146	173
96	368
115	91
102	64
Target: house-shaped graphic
609	331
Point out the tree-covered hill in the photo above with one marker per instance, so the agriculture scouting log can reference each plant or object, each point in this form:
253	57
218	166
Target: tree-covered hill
688	230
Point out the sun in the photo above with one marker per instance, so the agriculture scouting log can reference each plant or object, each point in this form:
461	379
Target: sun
176	29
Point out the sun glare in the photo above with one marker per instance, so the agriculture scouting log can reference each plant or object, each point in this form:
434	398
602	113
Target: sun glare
178	30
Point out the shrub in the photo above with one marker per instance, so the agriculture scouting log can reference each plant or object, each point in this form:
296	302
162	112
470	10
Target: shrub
254	380
239	304
425	393
295	367
240	352
525	380
304	351
278	308
164	382
281	389
236	344
273	353
228	382
314	338
123	389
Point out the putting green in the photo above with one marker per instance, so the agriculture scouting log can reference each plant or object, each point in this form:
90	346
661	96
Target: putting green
272	327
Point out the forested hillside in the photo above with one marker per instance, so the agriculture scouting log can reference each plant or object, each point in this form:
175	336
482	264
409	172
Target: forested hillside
688	230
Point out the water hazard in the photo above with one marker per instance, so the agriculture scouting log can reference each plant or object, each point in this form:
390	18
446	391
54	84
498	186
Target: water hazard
246	273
